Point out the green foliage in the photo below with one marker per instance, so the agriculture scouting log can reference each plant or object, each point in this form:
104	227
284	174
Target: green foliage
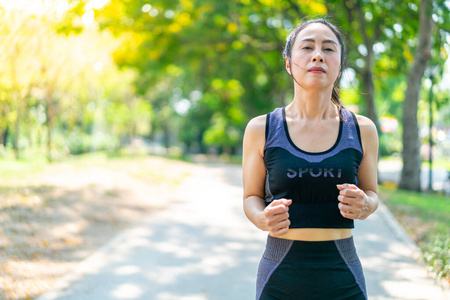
57	89
437	255
389	144
228	51
221	133
79	142
201	45
220	59
390	96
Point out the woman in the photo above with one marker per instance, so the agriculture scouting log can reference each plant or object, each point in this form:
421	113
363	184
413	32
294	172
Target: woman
309	170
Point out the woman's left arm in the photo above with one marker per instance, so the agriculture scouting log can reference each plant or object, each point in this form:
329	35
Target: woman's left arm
359	202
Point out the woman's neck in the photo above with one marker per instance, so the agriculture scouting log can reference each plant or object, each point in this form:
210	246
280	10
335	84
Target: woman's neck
312	105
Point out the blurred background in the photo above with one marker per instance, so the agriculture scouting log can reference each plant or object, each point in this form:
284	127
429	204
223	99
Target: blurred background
90	80
184	77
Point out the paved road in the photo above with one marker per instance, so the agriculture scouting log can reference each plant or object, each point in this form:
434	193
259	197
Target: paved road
202	247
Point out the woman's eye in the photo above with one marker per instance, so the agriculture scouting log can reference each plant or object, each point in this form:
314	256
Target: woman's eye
329	49
307	48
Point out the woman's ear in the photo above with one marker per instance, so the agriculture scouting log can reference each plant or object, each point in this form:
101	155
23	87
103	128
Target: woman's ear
288	65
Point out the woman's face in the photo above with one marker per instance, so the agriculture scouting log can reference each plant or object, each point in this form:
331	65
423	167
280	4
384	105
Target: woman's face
315	57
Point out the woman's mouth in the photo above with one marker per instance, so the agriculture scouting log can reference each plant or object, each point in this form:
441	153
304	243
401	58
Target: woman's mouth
317	70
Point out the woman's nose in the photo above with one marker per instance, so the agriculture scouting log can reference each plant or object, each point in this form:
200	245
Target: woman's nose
317	57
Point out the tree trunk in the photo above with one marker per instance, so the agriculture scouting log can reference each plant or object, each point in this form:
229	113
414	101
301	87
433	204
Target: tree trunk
410	179
50	116
355	14
367	73
4	136
166	135
201	145
17	130
369	91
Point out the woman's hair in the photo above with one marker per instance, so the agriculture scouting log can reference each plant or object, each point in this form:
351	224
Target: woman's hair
290	40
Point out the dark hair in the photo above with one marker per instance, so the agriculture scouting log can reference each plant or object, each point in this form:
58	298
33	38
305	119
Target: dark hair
290	40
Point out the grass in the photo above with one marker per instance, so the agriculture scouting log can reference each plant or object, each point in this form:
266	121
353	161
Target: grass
17	168
442	162
429	203
426	218
427	209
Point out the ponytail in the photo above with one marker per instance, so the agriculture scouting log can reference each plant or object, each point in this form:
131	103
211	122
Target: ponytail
335	98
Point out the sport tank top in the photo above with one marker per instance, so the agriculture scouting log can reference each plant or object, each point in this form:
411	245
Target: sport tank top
310	179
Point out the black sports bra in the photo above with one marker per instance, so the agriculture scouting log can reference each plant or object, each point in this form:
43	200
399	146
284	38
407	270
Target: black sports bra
310	179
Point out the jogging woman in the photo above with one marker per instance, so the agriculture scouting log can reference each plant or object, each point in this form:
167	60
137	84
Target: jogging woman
309	170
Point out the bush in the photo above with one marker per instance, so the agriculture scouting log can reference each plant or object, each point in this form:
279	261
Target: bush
80	142
437	255
389	144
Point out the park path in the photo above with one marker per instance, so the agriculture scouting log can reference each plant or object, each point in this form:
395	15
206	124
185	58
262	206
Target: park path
201	246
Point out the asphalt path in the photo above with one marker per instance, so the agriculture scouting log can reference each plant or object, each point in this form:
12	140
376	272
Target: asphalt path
201	246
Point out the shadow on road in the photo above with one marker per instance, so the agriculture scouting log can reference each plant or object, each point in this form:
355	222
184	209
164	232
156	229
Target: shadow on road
168	262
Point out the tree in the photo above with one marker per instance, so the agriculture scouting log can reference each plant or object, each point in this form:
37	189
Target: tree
20	71
227	52
56	88
196	47
410	178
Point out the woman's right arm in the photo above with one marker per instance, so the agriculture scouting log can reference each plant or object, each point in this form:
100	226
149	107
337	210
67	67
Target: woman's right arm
273	218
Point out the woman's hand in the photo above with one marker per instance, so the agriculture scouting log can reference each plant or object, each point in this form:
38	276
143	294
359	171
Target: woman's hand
276	217
354	202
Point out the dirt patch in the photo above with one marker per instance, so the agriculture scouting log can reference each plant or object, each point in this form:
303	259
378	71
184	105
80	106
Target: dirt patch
51	221
414	226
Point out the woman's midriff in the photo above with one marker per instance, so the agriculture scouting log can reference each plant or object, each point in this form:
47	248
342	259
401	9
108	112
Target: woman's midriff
317	234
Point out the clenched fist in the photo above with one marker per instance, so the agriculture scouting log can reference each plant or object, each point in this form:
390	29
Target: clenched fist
354	203
276	217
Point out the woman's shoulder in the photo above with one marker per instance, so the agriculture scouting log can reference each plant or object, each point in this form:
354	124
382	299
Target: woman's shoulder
257	125
257	122
366	124
254	136
368	131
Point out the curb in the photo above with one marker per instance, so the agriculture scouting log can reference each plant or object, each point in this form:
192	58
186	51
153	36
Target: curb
400	232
